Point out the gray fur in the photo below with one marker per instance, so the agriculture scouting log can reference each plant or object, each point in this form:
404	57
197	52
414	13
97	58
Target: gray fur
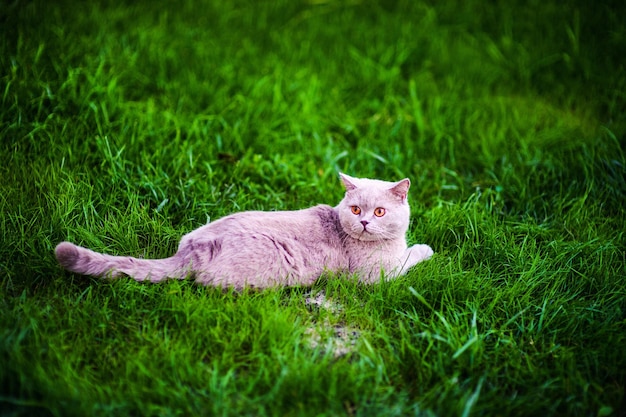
264	249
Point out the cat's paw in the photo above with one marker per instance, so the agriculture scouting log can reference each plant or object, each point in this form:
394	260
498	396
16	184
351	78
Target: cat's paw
414	255
420	253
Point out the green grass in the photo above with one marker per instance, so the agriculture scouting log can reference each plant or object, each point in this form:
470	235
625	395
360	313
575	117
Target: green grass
124	127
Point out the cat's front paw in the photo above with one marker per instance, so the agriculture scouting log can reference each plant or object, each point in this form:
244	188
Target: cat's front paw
420	253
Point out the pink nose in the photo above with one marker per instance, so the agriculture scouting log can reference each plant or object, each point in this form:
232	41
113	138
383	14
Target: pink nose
364	223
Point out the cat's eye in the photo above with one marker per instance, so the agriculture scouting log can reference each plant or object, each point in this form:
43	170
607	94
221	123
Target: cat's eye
355	210
379	212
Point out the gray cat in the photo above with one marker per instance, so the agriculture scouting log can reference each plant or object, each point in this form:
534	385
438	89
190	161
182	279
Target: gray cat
364	234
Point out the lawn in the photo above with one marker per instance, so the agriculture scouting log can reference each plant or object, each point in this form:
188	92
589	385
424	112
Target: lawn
125	126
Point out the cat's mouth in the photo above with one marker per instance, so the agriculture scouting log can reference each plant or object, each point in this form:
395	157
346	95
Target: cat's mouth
362	233
365	234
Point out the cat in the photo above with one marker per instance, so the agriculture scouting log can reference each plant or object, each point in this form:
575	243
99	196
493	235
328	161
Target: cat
363	235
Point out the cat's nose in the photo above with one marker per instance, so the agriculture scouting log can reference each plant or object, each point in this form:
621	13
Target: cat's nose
364	222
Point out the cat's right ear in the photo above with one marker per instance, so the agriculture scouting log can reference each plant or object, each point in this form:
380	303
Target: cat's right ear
348	181
401	188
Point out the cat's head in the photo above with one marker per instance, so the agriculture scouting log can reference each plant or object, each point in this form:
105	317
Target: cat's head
374	210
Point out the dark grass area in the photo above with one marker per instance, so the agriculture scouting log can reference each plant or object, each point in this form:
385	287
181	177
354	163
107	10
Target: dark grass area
123	127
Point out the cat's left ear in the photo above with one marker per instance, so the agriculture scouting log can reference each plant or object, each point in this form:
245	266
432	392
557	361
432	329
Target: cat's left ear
401	188
348	181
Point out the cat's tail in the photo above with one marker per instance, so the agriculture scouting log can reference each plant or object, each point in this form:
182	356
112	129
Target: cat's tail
87	262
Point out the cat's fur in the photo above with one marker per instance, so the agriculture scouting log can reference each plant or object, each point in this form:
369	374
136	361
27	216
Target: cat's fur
263	249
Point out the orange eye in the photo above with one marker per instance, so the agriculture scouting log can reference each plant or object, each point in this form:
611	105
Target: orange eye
379	212
355	210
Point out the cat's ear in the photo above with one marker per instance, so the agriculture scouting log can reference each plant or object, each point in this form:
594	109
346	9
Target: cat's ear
401	188
348	181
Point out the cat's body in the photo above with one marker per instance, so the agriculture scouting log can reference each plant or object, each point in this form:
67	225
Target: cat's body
364	234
